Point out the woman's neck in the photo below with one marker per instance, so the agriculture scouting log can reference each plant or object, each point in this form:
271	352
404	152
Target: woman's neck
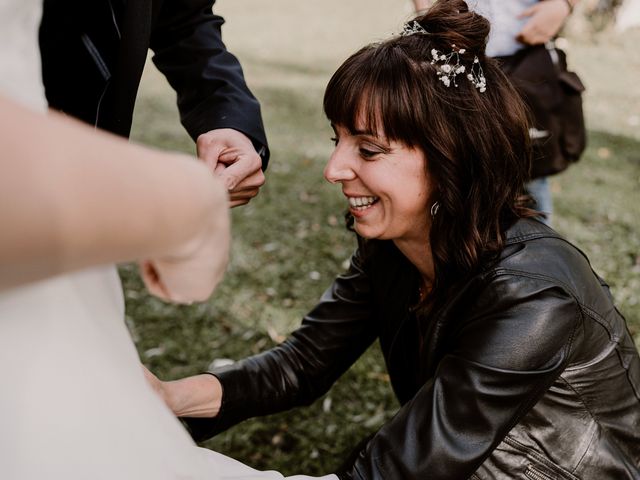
418	252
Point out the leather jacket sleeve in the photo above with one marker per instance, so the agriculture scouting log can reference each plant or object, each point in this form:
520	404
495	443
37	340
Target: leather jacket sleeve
504	354
331	338
212	93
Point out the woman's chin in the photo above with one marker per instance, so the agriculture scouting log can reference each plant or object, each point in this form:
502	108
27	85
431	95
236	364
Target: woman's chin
366	231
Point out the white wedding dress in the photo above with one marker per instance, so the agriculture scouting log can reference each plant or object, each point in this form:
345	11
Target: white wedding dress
74	403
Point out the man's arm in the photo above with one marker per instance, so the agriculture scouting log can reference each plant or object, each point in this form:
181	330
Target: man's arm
216	106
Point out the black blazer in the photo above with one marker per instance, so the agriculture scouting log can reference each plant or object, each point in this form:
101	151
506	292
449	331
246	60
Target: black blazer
528	371
93	53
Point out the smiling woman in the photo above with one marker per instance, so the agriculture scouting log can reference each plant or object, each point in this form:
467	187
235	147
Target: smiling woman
503	347
437	110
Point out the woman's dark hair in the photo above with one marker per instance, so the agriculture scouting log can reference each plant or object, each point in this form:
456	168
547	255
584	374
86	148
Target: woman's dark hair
476	143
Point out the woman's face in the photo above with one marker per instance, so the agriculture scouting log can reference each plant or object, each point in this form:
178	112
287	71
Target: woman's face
386	185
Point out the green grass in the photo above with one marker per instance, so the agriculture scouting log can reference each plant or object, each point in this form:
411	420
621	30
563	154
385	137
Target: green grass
290	242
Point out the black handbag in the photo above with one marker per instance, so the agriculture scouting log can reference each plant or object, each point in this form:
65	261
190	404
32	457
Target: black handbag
554	97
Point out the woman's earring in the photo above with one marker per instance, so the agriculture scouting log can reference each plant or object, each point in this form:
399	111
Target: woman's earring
434	208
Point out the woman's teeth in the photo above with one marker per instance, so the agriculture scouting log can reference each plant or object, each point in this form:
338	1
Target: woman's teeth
360	203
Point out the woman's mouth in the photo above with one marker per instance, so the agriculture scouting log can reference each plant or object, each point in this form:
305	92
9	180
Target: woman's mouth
361	203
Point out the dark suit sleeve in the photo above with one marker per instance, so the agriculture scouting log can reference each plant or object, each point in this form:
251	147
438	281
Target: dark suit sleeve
332	337
498	364
212	93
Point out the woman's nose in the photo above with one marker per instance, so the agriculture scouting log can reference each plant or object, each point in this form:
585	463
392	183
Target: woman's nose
339	167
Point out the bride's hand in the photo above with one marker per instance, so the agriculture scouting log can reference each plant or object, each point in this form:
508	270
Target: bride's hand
191	271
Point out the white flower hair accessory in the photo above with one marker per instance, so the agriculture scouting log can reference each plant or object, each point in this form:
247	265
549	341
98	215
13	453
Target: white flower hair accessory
449	67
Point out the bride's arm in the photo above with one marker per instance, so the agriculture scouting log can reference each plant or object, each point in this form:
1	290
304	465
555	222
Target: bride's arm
71	197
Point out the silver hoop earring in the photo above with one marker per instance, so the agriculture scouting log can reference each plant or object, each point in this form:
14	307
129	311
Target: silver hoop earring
434	208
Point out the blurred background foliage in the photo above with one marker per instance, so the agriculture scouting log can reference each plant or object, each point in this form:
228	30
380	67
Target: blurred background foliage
290	241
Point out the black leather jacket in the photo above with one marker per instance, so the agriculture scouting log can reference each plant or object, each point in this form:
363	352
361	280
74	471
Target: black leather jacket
529	371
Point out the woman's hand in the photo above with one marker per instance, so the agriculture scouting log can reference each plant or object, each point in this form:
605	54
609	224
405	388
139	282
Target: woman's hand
545	21
197	396
156	384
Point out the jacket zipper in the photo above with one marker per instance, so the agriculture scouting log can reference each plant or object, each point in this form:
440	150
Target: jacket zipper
535	474
97	58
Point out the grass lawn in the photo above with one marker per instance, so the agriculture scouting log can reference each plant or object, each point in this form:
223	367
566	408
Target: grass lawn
290	242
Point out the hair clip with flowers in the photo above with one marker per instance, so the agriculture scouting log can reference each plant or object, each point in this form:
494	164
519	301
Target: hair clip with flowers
449	67
476	75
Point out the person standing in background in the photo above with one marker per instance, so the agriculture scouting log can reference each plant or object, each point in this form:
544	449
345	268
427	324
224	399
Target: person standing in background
517	25
93	55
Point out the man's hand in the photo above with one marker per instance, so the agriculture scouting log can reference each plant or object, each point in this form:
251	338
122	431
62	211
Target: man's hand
545	21
231	156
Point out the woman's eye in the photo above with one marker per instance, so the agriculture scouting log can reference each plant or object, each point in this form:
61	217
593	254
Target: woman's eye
366	153
334	140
